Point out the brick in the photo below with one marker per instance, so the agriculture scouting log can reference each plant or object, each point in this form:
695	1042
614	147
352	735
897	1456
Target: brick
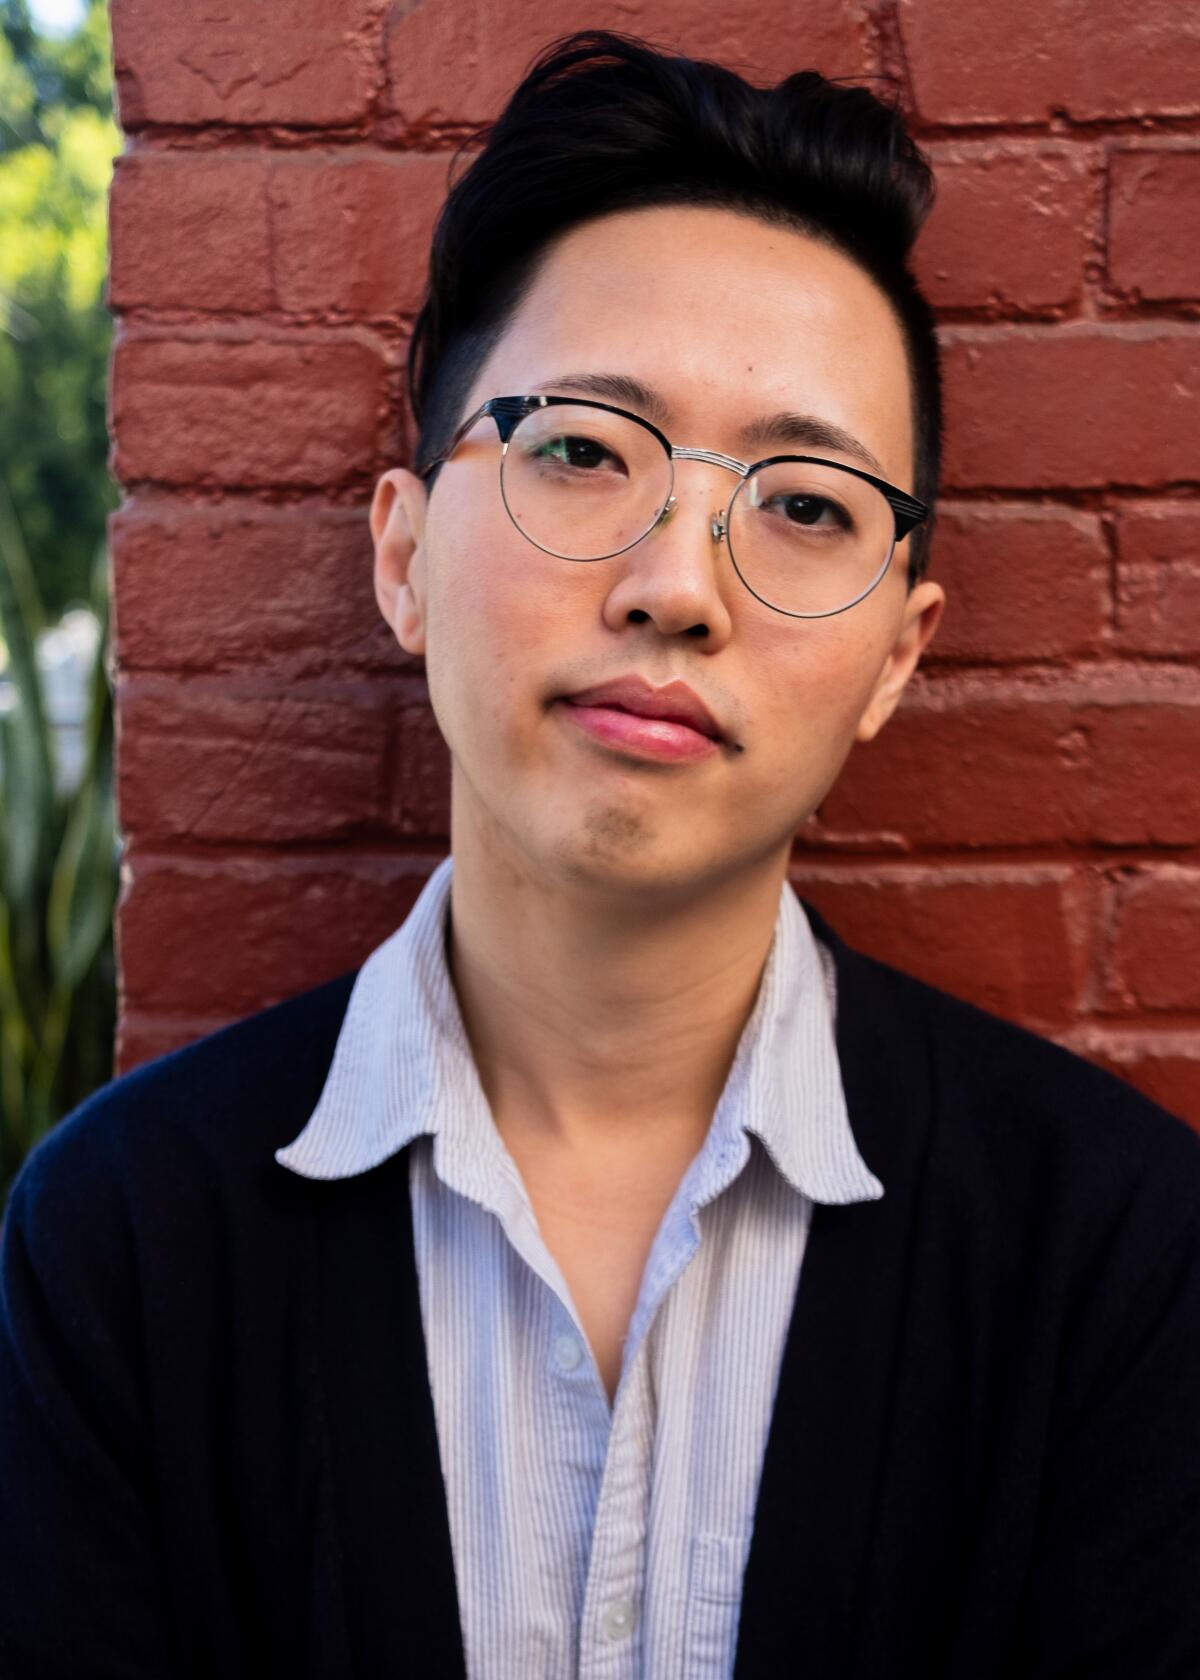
1023	582
973	765
1076	405
227	933
1012	940
460	62
1029	60
420	772
1144	789
284	591
189	230
978	761
351	232
1154	958
1008	229
219	759
229	759
309	64
1158	580
1163	1064
235	410
141	1038
1154	223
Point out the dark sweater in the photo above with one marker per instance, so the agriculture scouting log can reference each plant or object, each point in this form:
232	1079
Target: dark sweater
218	1454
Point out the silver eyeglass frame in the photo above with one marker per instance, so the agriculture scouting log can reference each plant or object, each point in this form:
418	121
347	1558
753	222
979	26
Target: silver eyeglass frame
508	412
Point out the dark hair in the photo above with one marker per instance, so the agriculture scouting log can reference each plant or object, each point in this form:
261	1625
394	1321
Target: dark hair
604	122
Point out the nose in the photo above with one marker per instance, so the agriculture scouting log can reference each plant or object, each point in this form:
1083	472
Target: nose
673	578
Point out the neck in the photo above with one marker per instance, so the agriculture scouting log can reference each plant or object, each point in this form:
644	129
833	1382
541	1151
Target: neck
600	1019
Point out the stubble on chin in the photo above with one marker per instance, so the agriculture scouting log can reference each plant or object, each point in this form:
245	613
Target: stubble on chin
612	832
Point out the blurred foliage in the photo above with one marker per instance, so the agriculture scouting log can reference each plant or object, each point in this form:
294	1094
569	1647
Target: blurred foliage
57	143
58	845
58	874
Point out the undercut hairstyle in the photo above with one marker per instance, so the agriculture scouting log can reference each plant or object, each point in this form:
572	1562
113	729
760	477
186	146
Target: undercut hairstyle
604	123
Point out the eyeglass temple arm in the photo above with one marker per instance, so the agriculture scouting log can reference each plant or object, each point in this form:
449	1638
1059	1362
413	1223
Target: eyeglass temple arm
908	510
455	441
505	411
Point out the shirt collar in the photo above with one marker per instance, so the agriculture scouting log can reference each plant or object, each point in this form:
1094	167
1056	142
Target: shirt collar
403	1050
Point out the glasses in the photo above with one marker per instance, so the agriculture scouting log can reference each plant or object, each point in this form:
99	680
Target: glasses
586	481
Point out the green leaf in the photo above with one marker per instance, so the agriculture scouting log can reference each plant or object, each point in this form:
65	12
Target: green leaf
26	766
83	884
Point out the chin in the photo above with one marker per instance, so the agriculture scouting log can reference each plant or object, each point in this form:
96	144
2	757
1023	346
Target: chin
615	851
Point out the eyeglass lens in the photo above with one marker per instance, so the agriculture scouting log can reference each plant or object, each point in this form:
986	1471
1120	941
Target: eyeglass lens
584	484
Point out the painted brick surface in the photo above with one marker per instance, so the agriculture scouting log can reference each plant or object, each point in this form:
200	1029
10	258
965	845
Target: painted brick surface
1154	963
243	585
456	63
190	232
329	232
1025	582
1012	938
307	63
221	759
1154	222
287	918
1009	229
351	234
1073	405
222	407
1026	833
1158	580
1031	60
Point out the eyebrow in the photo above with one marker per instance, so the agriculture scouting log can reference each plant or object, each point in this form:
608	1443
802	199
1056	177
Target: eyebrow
808	431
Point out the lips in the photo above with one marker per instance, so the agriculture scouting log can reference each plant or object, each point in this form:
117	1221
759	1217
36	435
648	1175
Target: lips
675	702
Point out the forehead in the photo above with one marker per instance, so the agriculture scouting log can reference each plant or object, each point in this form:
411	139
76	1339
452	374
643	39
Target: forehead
727	317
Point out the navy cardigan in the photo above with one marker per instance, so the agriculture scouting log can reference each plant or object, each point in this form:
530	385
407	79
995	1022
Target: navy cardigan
218	1454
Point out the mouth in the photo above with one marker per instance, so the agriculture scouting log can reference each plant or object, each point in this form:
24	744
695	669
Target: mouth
661	739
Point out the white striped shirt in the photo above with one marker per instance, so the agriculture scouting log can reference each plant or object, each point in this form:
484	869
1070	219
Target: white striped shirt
605	1544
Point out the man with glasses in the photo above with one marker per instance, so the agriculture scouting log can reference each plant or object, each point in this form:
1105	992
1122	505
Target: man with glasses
617	1275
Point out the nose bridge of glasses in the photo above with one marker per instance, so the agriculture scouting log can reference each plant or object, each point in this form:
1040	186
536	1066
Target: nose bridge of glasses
714	458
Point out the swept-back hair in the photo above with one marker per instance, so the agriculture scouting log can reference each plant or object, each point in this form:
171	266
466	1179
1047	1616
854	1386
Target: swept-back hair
604	122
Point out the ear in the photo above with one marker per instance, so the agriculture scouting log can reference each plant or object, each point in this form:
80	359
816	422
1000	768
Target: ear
398	529
922	612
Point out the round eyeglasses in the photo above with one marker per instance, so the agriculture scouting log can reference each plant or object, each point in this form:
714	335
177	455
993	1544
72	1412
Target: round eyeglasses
585	481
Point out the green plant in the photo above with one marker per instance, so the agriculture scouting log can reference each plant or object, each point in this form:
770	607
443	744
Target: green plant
58	875
57	144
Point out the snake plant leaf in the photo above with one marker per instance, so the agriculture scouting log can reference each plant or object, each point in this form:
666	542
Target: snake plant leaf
58	886
83	883
26	762
83	888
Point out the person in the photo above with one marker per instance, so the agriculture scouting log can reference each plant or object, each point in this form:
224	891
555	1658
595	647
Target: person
616	1274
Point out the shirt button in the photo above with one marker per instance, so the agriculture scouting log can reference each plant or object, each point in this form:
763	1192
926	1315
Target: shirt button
618	1619
568	1353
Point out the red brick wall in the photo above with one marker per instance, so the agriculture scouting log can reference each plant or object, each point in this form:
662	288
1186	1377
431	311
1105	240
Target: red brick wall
1026	832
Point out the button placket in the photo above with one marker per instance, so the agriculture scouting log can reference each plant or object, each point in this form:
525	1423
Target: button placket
608	1649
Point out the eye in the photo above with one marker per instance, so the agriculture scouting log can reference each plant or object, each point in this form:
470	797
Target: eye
812	511
581	453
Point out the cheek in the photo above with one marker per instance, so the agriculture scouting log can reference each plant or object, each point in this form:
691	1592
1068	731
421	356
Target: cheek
823	675
486	622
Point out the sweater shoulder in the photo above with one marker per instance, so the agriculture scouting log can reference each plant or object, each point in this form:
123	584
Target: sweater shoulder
224	1102
1032	1113
1016	1124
